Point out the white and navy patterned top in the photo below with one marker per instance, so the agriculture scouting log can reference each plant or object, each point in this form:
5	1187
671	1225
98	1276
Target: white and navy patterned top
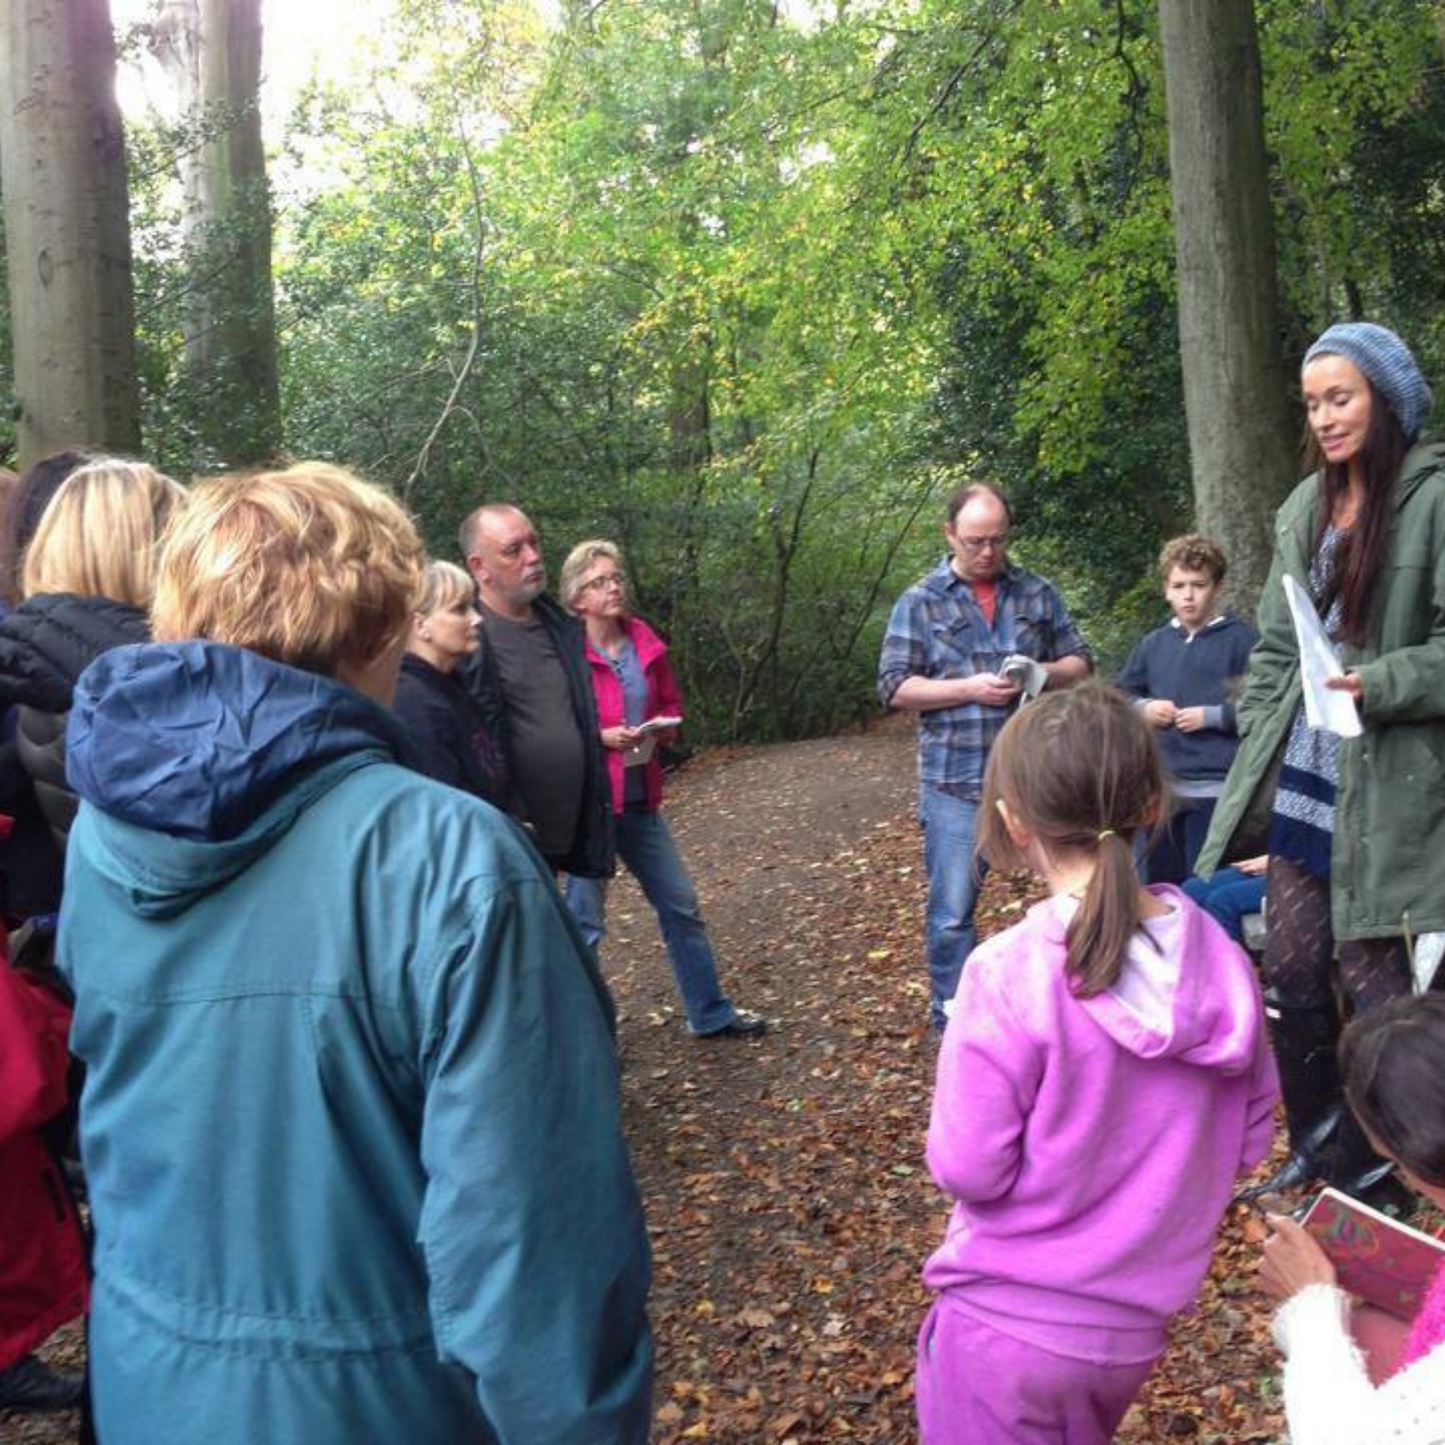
1303	824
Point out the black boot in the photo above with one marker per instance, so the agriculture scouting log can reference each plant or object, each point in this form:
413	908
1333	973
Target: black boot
1309	1078
30	1384
1356	1170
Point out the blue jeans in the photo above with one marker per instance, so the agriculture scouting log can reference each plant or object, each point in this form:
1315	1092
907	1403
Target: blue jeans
645	845
1228	896
954	878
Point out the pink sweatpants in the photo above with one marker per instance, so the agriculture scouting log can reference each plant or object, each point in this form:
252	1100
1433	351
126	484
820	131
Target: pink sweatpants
976	1386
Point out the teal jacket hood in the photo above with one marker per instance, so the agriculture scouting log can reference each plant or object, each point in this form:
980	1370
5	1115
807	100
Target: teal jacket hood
197	739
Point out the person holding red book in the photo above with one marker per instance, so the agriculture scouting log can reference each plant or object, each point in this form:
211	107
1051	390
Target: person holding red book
1393	1060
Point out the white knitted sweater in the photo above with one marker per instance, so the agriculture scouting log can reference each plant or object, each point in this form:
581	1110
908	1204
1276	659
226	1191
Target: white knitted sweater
1328	1397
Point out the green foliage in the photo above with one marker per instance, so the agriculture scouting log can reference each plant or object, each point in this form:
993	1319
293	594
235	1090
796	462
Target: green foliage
1038	132
1343	85
674	348
203	411
749	288
753	292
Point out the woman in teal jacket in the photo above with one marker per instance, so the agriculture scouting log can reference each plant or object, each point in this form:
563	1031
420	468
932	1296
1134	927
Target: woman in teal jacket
1355	827
351	1121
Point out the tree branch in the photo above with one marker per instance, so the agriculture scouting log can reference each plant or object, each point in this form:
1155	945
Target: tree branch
464	372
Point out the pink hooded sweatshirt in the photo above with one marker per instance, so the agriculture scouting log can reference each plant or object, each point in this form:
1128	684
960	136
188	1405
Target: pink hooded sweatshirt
1092	1144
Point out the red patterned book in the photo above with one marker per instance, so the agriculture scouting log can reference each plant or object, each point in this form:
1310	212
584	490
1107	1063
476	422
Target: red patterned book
1379	1259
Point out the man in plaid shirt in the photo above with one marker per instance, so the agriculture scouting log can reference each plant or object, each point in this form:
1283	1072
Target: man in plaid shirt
947	639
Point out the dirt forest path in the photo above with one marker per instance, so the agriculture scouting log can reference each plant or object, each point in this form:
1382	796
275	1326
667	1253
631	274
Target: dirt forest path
784	1180
783	1177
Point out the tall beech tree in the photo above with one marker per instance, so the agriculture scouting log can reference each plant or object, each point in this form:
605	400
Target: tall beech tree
212	51
67	236
1241	456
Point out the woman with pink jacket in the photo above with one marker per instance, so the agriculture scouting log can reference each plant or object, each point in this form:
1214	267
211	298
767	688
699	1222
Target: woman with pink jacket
1354	1375
633	683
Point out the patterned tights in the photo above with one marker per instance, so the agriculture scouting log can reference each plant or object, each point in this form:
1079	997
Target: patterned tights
1299	951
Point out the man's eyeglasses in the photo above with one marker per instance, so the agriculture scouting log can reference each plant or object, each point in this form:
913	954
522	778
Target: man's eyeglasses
602	583
977	544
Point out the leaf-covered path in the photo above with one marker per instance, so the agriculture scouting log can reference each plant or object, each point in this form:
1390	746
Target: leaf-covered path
784	1181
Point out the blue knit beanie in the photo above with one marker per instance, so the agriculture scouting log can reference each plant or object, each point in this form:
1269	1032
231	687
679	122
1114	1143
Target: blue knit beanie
1388	364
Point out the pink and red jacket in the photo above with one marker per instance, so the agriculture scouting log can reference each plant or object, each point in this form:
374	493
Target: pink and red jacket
663	700
1092	1145
43	1278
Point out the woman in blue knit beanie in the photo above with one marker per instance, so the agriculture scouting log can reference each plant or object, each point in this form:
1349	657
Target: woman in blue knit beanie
1355	826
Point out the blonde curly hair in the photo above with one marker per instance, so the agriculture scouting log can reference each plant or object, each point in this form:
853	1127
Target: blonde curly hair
310	566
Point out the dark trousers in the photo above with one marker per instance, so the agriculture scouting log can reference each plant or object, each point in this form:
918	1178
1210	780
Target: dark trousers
1174	849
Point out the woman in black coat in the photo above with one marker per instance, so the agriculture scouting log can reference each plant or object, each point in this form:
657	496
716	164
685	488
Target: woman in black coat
87	579
87	576
30	861
450	739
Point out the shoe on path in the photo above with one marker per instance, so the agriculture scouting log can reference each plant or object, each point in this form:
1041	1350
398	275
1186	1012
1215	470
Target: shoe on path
741	1026
30	1384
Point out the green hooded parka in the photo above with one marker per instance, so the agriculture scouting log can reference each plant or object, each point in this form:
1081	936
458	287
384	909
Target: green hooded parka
1388	860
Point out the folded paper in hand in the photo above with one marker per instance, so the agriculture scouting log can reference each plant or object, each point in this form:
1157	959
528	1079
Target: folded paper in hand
1025	674
1325	707
642	751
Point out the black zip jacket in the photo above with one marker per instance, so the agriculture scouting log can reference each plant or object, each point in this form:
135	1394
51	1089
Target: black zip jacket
45	644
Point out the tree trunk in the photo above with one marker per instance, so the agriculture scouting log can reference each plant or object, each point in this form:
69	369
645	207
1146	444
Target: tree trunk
1242	455
67	229
212	49
689	427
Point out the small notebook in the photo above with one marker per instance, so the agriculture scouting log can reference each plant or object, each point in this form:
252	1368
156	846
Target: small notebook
1382	1261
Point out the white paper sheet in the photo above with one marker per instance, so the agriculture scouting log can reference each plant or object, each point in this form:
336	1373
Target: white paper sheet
1325	707
1429	950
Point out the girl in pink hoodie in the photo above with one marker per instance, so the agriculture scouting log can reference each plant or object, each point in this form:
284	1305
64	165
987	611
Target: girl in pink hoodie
1104	1078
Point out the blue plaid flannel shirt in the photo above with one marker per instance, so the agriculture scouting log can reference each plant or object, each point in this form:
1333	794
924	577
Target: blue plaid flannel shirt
937	629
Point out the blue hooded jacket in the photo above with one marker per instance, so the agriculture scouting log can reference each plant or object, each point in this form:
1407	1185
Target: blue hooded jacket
351	1117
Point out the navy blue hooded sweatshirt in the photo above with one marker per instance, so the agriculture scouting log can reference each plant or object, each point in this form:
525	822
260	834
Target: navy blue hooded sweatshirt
1203	670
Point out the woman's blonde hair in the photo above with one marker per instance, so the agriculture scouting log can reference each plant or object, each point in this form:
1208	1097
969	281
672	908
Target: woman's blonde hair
310	566
98	535
444	585
579	563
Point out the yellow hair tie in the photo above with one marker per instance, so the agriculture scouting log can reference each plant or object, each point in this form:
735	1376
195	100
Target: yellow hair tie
1107	833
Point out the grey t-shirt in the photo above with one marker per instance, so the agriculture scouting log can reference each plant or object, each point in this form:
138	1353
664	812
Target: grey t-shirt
548	761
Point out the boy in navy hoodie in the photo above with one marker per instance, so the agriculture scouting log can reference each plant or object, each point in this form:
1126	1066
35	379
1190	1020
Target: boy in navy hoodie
1185	676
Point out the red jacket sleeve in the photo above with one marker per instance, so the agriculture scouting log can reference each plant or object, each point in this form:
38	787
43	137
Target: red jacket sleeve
666	700
34	1027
